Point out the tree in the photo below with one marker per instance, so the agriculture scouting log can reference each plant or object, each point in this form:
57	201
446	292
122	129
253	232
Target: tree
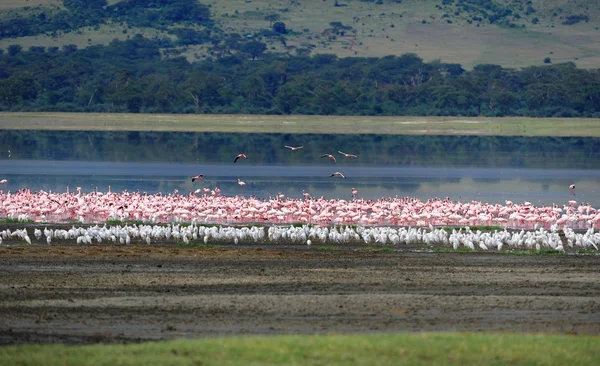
254	92
271	18
279	27
14	49
254	49
18	88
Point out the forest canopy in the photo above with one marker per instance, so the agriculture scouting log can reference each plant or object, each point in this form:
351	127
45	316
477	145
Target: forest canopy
133	76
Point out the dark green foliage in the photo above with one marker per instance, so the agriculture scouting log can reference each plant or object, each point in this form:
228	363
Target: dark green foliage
14	49
254	49
574	19
132	76
82	13
279	27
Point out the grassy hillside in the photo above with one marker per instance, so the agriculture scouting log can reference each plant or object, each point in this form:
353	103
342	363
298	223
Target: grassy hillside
511	33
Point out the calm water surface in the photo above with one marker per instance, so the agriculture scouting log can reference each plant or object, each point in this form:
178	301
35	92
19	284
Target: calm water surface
489	169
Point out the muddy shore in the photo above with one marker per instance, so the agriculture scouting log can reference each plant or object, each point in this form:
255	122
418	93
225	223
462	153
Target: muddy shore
88	294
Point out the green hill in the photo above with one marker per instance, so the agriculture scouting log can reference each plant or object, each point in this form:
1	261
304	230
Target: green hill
511	33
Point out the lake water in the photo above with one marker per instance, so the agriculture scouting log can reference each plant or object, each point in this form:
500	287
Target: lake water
488	169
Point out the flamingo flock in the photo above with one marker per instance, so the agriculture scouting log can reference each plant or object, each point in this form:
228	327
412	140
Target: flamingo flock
209	206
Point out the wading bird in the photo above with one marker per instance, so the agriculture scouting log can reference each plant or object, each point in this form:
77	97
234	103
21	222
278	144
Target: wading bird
572	189
328	156
3	181
348	155
241	183
354	192
338	174
238	156
294	148
199	177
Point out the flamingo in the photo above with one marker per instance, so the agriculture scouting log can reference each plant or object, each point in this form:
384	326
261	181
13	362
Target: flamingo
348	155
338	174
329	156
9	153
241	183
3	181
294	148
572	189
199	177
243	156
354	192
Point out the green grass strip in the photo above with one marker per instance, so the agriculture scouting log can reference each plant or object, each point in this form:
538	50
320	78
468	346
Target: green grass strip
240	123
394	349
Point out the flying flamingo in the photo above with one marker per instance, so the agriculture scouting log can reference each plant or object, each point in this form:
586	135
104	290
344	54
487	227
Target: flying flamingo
348	155
199	177
572	189
241	183
3	181
294	148
243	156
337	174
328	156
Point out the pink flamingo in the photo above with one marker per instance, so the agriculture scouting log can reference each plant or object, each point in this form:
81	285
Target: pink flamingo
572	189
337	174
199	177
294	148
329	156
239	156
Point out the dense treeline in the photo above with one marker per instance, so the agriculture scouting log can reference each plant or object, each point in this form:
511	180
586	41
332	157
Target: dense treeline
133	76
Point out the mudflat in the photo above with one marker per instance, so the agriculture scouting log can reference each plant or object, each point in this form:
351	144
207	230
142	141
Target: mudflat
88	294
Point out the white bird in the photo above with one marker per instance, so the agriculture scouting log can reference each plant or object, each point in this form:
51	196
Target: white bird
294	148
241	183
3	181
354	192
338	174
348	155
572	189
